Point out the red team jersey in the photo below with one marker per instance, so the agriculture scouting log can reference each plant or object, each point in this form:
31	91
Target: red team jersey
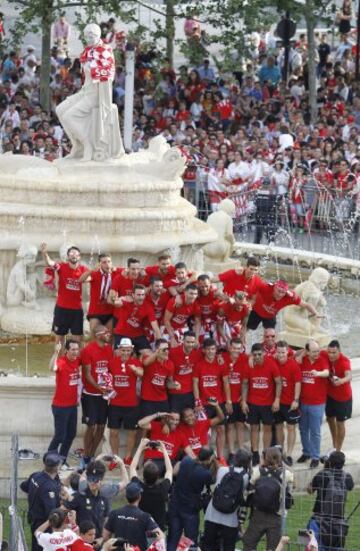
132	319
313	389
184	368
197	435
236	371
290	373
210	375
208	306
98	305
154	271
154	380
67	382
124	382
99	359
267	307
70	288
159	305
182	313
233	282
341	393
261	382
172	441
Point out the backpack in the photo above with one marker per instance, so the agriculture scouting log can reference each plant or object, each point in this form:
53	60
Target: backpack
335	496
229	493
267	495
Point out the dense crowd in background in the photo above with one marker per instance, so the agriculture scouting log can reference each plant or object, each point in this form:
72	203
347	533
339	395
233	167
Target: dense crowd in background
237	130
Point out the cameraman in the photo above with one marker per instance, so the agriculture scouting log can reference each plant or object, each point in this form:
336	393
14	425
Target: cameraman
130	522
192	476
331	486
155	493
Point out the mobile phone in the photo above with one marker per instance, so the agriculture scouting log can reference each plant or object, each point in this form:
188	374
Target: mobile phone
108	458
303	537
153	444
212	400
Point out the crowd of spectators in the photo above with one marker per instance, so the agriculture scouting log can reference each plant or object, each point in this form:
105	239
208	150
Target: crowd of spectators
236	130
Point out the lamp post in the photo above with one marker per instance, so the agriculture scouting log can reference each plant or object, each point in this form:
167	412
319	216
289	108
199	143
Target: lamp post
129	95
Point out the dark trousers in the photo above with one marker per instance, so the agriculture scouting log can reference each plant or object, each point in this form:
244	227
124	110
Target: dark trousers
260	524
179	522
65	421
216	535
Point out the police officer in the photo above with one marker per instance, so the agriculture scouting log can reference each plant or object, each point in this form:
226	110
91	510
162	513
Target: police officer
43	489
265	214
89	502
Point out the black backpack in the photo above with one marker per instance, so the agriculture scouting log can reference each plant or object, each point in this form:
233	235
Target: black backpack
335	495
267	495
229	493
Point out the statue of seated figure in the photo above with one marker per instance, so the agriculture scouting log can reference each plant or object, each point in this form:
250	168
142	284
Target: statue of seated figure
222	222
299	320
21	288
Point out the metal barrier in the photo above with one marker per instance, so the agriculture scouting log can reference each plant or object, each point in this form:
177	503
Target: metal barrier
17	540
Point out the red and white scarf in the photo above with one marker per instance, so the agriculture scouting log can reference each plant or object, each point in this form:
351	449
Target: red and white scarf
101	61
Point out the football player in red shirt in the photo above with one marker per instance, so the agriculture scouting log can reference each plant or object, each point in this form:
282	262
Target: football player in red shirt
211	382
96	358
231	319
133	314
243	279
182	278
235	360
339	393
314	375
289	400
195	428
65	399
164	269
260	397
163	427
158	298
124	283
125	371
184	357
270	299
68	313
100	311
178	312
158	377
208	302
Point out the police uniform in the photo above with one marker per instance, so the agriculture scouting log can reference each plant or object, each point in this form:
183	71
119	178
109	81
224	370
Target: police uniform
89	506
43	496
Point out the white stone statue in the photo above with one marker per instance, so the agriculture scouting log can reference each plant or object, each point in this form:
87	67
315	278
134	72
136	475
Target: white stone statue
21	288
222	222
89	118
299	325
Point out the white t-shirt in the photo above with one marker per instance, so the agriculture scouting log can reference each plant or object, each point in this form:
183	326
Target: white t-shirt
56	541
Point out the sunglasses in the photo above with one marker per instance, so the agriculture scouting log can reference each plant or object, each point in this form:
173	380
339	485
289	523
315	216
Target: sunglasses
164	349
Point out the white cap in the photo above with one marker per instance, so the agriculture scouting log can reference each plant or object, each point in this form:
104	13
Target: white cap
124	343
30	48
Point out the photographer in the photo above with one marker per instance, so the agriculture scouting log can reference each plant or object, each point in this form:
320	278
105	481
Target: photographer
266	501
130	522
155	493
192	476
331	486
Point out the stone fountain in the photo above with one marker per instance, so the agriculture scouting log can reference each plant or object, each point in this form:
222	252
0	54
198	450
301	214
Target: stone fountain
98	198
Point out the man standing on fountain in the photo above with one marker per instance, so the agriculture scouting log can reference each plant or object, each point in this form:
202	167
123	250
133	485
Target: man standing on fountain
68	313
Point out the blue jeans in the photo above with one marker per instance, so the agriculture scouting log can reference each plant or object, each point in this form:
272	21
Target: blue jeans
179	522
65	421
310	429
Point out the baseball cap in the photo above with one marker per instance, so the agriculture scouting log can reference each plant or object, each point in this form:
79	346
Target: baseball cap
30	48
52	459
281	284
133	490
124	343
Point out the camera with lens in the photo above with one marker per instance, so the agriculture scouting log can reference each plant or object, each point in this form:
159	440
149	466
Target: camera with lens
120	544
